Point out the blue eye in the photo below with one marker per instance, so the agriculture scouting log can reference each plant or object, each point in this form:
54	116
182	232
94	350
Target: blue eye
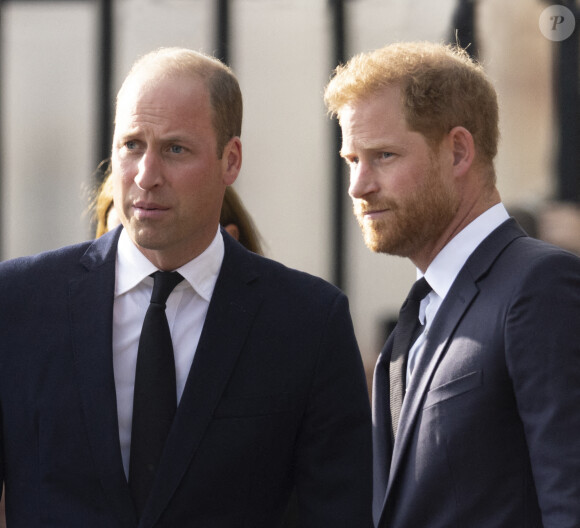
386	155
176	149
130	145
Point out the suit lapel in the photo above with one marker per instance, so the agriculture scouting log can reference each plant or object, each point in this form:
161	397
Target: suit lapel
91	313
456	303
232	309
450	313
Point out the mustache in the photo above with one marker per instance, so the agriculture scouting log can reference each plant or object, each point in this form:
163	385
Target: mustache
362	207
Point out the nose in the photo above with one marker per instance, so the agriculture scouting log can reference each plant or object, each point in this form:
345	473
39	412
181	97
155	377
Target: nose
362	180
149	171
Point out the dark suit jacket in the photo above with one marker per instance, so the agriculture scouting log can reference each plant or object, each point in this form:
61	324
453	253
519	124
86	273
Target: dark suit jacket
276	396
490	425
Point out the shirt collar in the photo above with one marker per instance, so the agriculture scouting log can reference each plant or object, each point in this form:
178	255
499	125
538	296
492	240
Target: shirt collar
201	272
442	272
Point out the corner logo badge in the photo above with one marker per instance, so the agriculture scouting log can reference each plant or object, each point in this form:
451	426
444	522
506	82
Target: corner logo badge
557	23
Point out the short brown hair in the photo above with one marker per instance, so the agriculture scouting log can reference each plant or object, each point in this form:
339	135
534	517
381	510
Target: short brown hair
224	90
441	88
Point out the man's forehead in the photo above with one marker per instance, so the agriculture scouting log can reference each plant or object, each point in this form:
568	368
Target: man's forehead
143	84
160	95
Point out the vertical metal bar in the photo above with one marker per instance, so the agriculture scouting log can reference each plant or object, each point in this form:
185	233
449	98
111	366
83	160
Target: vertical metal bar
222	51
464	30
2	207
568	109
338	177
105	75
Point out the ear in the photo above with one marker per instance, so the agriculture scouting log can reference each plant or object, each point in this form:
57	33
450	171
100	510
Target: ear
232	160
233	230
462	147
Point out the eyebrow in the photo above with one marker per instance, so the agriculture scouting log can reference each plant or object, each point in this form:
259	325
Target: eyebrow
370	146
170	138
176	139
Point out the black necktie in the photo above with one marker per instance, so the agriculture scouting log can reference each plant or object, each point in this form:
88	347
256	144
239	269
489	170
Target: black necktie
155	397
405	331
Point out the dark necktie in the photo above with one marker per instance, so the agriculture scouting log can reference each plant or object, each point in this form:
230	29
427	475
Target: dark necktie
155	397
405	333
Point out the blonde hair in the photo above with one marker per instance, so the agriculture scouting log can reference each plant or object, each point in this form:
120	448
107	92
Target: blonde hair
441	88
102	204
234	212
224	91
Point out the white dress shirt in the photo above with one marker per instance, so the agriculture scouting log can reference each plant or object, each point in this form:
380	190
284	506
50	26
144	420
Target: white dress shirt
445	267
186	309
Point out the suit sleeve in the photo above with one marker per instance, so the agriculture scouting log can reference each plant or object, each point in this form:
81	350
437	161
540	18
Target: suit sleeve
333	465
543	357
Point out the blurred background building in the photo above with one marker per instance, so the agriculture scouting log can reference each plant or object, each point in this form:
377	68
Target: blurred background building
61	63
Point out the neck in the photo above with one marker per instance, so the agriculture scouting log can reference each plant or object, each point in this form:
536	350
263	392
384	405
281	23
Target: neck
467	213
168	260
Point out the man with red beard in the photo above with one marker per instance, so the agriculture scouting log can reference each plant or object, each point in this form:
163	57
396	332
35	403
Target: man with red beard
475	420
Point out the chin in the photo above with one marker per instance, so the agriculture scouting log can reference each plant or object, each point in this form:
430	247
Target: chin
145	239
375	239
376	245
388	245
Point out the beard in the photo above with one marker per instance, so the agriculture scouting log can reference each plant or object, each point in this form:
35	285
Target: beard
411	222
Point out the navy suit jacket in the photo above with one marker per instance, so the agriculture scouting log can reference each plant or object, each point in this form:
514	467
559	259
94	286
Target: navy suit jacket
276	397
490	425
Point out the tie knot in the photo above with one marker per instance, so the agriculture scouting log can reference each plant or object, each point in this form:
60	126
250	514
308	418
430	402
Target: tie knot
164	282
419	290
